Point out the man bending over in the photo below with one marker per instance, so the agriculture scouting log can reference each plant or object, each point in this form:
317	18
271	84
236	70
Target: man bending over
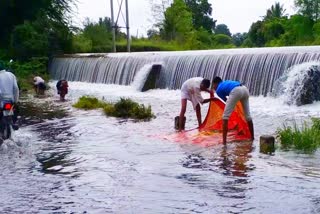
191	90
236	92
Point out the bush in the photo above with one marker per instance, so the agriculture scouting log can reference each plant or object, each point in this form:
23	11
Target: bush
125	108
109	109
305	138
144	45
81	44
88	103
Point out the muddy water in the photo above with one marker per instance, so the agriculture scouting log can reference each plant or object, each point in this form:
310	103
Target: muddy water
85	162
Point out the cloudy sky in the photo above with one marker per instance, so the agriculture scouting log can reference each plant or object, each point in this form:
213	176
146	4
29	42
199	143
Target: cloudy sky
238	15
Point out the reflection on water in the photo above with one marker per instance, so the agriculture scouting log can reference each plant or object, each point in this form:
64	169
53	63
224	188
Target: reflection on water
228	160
84	162
234	162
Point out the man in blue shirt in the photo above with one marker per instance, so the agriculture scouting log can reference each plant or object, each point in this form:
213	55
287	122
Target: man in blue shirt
232	92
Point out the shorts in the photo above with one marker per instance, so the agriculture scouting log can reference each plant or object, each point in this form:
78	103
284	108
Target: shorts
239	93
195	97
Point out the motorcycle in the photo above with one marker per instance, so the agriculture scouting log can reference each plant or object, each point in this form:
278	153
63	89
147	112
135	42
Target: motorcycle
6	122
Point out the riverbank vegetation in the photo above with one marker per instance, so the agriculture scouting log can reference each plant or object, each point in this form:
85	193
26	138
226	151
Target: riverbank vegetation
31	32
42	29
303	137
124	108
188	25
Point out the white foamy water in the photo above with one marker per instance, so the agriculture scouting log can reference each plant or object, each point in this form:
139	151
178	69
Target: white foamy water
291	84
91	163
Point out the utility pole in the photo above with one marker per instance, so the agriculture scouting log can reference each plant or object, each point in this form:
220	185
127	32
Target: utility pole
113	26
127	26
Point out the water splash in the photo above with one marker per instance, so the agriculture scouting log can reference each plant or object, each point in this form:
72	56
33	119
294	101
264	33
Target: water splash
141	77
299	84
16	145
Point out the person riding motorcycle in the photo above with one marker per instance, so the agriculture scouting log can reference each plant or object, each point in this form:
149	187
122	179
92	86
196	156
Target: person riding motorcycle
9	89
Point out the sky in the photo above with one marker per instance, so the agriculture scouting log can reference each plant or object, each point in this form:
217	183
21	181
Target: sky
238	15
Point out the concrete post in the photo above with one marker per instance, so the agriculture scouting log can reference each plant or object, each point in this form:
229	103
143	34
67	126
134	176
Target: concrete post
267	144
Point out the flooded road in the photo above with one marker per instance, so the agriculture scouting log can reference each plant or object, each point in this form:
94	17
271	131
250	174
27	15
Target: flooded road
85	162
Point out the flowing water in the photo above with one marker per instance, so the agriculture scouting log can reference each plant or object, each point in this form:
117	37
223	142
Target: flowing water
89	163
257	68
76	161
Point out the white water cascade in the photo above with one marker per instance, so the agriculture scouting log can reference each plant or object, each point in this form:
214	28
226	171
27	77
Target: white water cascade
257	68
141	77
300	84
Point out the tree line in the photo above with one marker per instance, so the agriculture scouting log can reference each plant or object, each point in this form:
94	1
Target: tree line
38	28
188	25
35	28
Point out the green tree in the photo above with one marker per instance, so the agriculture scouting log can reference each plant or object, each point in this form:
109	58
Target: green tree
201	14
26	41
106	22
298	31
222	41
42	37
152	33
99	35
178	22
272	30
309	8
222	29
275	12
16	12
239	38
81	44
256	34
204	39
316	33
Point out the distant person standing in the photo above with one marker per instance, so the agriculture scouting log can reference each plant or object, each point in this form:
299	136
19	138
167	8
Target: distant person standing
235	92
39	85
62	89
191	90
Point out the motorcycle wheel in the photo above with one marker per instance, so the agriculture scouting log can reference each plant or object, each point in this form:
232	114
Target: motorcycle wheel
7	131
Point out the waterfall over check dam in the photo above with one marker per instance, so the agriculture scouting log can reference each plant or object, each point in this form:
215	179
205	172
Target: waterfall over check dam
257	68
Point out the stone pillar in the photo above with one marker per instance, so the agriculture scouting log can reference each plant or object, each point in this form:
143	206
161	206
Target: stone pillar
267	144
152	78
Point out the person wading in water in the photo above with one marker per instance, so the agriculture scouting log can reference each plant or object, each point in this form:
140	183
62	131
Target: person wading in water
191	90
235	92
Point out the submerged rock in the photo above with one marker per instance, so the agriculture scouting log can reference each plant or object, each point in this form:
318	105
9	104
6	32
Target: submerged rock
300	85
310	90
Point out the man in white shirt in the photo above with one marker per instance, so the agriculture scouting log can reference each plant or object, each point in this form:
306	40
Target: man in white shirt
8	86
39	85
9	91
191	90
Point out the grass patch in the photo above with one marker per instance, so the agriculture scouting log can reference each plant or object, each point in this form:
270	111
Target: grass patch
304	138
142	45
88	103
124	108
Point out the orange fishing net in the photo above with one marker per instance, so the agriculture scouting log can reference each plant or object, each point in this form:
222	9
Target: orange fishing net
237	124
210	131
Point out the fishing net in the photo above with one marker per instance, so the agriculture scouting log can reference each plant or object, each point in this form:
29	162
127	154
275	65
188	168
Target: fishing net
210	131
